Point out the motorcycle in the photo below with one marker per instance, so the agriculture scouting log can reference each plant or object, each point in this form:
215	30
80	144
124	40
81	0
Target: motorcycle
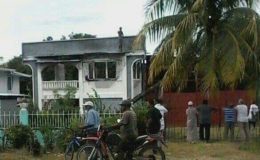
106	147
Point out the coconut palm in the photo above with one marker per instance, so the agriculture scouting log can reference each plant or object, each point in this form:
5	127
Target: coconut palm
216	39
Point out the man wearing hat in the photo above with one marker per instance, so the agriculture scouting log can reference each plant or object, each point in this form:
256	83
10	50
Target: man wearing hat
128	129
92	120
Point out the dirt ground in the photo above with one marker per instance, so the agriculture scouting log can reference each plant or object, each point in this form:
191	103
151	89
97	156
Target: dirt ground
175	151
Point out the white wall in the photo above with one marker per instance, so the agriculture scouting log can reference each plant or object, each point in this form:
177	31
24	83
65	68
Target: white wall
108	88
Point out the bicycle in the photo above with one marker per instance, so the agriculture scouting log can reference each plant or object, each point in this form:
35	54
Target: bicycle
76	141
145	147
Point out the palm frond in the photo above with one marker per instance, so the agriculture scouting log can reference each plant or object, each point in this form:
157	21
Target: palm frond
156	29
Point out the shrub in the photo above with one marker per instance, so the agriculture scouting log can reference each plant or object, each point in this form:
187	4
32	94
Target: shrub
19	135
48	136
141	111
108	121
64	136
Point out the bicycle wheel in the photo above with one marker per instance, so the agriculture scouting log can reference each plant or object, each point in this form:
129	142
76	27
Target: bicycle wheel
151	153
89	149
69	152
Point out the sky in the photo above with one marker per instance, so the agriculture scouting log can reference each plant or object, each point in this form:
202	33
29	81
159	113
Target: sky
34	20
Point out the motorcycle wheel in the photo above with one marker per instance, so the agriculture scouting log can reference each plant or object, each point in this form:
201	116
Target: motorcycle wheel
151	153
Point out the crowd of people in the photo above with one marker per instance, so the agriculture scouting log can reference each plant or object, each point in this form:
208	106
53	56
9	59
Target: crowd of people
156	123
245	120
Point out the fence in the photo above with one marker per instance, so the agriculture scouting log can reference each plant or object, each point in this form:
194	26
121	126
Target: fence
64	119
54	119
9	119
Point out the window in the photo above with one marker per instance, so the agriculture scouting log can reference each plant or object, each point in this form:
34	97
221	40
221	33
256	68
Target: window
102	70
137	70
111	66
9	83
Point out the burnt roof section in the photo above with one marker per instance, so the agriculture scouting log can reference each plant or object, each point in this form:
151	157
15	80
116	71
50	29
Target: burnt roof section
76	47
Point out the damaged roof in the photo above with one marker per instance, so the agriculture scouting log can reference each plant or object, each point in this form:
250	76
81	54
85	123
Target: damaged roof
76	47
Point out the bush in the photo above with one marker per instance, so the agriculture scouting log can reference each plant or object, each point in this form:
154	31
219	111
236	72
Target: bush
48	136
141	111
19	135
64	136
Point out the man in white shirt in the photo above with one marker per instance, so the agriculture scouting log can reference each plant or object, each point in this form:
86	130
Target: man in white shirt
252	116
242	118
163	111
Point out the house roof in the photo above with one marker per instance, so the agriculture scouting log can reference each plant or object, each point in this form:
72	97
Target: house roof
76	47
13	72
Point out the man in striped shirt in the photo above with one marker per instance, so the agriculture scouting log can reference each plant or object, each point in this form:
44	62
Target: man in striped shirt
229	114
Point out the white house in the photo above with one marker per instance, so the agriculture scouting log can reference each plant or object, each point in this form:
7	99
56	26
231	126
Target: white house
10	89
108	65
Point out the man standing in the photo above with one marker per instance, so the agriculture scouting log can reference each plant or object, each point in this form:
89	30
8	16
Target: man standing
205	115
153	120
242	119
163	111
229	114
92	120
191	113
252	117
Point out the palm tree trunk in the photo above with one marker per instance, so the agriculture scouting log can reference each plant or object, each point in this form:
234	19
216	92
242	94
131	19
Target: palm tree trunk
258	90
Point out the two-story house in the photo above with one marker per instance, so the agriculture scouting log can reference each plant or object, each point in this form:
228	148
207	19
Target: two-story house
10	89
108	65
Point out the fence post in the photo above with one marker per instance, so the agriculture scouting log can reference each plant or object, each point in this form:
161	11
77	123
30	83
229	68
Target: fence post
23	115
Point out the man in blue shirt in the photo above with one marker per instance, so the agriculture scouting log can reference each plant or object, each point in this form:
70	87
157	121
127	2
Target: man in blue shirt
229	114
92	120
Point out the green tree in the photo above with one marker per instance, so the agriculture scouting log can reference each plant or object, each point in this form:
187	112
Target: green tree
215	39
80	35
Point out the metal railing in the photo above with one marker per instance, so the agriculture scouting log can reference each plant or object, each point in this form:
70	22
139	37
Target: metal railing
8	119
59	84
54	119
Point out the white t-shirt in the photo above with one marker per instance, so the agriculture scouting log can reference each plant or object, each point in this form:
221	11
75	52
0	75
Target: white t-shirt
241	113
162	110
253	109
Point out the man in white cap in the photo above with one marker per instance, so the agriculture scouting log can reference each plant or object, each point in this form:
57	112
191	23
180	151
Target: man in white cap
92	120
191	113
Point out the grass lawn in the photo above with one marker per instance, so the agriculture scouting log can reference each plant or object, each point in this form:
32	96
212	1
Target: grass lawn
175	150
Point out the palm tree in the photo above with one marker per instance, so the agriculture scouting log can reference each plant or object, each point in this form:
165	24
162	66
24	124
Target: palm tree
215	39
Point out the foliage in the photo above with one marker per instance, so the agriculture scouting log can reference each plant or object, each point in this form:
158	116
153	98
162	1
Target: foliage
48	73
198	37
64	136
141	112
49	38
97	101
48	136
109	120
19	135
80	35
66	102
31	106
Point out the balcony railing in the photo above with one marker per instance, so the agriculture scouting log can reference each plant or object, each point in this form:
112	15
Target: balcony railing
59	84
